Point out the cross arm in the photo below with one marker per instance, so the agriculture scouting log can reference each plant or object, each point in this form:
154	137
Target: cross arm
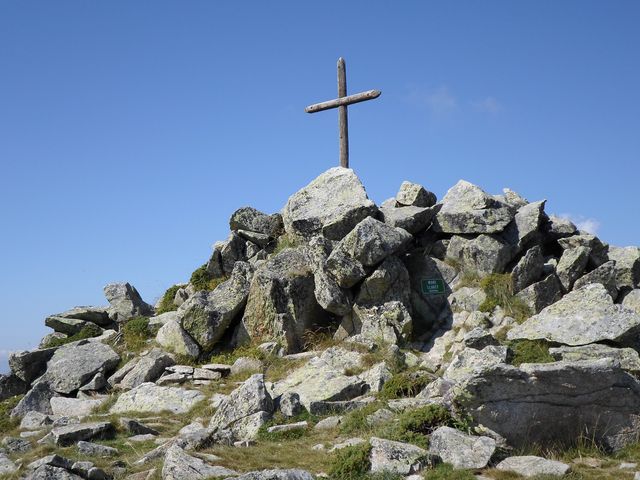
339	102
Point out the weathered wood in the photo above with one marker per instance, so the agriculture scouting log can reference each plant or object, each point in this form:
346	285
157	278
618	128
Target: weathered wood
341	103
343	123
348	100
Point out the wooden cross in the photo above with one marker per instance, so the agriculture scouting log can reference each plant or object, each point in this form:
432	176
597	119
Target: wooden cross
341	102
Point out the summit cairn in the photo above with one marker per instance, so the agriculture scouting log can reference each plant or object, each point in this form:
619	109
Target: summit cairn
346	338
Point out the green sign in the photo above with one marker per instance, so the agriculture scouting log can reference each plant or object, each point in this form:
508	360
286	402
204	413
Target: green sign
432	286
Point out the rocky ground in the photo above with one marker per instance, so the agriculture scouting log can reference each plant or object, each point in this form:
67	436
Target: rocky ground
475	337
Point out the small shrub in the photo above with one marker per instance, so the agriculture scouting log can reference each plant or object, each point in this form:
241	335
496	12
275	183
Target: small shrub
202	279
530	351
135	333
166	304
499	291
445	471
90	330
404	384
351	463
319	339
285	241
6	422
356	420
415	426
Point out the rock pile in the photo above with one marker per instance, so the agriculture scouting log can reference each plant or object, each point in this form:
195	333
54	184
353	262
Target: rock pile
439	332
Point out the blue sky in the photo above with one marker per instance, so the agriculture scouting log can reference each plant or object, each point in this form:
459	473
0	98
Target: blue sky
130	131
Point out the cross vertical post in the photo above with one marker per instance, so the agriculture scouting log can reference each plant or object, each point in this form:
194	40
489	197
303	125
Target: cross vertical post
343	120
341	104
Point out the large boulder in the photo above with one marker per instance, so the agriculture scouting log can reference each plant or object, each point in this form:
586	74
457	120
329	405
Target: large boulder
70	434
75	364
329	295
627	266
330	205
598	251
466	208
148	368
252	220
389	282
581	317
605	275
528	270
97	315
125	302
36	400
556	403
29	365
541	294
75	407
251	400
525	227
378	324
206	316
173	337
484	254
412	219
461	450
152	398
10	386
415	195
282	305
628	357
397	457
572	265
179	465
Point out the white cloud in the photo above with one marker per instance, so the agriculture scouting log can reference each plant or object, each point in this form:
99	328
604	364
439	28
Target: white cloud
488	105
439	101
590	225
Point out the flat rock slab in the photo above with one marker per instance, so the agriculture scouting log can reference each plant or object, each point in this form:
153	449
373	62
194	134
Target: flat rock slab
70	434
75	407
530	466
584	316
556	402
152	398
461	450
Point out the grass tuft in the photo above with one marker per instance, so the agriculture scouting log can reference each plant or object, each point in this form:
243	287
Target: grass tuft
90	330
445	471
6	422
202	279
404	384
530	351
135	333
498	288
351	463
166	304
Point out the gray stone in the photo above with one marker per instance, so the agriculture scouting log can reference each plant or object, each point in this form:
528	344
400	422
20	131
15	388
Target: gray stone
16	445
10	386
557	227
484	254
513	198
346	270
289	404
29	365
328	423
282	303
376	376
461	450
528	270
583	316
479	338
255	241
96	450
628	357
330	205
471	362
542	294
278	474
37	399
397	457
598	251
49	337
178	465
322	408
173	337
70	434
246	364
125	302
556	403
531	466
252	220
350	442
632	300
223	369
48	472
52	461
157	322
204	374
467	299
35	421
73	365
287	427
330	295
605	275
416	195
97	315
380	417
147	369
149	397
206	316
627	266
389	282
69	326
233	250
248	399
411	219
572	265
7	467
75	407
525	228
135	427
371	241
388	323
98	382
468	209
